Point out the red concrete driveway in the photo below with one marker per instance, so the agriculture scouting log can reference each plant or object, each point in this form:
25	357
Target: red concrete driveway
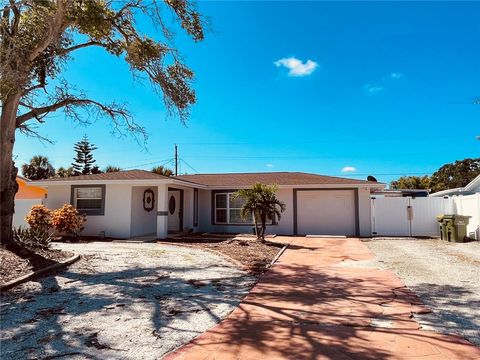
309	307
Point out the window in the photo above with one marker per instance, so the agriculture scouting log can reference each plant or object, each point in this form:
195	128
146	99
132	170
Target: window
227	209
89	200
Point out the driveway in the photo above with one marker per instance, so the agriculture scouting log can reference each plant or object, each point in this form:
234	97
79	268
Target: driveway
445	275
121	301
321	300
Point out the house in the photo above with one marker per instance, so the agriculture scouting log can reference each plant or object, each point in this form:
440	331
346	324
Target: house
28	190
137	203
471	188
28	194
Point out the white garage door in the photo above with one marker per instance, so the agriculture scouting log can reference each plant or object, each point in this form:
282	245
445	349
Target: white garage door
326	212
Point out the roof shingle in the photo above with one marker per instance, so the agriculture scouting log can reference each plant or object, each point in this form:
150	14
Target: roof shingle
279	178
120	175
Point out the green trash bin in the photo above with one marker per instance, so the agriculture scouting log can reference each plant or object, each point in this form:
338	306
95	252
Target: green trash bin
453	228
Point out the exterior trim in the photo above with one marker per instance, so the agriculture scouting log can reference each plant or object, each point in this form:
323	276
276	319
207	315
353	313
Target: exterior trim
295	206
162	213
180	210
195	207
100	212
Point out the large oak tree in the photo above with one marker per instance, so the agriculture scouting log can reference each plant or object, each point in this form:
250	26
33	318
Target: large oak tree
37	37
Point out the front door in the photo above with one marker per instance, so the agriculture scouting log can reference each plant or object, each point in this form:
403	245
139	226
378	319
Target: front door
174	208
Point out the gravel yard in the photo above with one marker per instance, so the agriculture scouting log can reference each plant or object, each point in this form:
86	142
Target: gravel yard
445	275
122	301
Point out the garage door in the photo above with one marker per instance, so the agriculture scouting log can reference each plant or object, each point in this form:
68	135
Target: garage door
326	212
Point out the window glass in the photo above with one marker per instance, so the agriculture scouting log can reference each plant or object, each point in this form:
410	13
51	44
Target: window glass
221	201
221	215
236	218
236	203
85	204
89	193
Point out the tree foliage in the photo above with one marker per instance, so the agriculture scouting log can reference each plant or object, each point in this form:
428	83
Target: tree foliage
454	175
112	168
38	168
64	172
39	37
83	163
262	203
162	170
411	182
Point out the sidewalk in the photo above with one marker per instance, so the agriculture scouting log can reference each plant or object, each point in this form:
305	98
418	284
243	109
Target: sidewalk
308	307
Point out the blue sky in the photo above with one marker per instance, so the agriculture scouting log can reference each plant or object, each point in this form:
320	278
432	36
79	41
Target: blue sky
378	87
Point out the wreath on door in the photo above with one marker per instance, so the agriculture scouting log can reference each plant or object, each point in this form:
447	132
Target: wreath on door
148	200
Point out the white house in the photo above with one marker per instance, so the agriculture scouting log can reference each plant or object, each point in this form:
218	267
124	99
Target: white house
137	203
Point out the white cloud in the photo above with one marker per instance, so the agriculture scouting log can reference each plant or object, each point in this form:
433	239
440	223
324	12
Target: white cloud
297	67
270	165
373	89
396	75
349	169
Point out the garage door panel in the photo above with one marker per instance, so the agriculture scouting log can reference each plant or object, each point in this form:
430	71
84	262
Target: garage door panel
326	212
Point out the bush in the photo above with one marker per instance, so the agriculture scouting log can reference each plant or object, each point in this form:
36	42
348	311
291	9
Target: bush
39	218
68	220
32	238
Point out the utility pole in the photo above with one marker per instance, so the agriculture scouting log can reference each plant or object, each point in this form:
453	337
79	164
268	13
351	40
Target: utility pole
176	160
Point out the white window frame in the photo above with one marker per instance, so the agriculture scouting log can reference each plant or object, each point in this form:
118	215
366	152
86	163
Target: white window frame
227	208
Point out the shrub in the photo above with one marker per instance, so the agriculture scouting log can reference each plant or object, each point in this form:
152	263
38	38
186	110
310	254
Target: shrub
68	220
32	238
39	218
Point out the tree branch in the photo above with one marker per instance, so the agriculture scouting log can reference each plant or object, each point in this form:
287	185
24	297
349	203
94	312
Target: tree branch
80	46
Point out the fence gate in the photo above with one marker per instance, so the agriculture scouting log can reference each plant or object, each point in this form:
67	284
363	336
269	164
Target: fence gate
406	216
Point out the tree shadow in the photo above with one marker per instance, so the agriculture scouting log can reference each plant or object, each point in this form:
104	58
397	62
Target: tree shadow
49	320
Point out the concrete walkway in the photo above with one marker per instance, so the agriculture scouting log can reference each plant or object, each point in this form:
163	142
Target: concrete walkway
311	306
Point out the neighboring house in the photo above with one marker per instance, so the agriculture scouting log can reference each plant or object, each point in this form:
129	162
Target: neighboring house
28	194
471	188
28	190
135	203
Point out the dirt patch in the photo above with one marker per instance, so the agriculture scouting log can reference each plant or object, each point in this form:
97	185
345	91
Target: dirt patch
254	255
13	266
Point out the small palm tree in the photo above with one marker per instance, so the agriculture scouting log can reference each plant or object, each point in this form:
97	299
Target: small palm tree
262	203
38	168
161	170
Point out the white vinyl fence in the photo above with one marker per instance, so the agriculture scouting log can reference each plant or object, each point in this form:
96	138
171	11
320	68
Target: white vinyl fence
407	216
22	207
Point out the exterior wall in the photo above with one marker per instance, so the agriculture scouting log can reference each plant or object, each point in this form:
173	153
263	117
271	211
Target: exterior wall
286	224
28	191
364	212
22	208
143	222
116	221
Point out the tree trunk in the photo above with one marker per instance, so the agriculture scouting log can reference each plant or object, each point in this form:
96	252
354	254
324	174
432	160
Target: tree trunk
8	171
255	224
264	227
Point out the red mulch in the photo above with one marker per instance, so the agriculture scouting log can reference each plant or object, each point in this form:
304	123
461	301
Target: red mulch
13	265
254	255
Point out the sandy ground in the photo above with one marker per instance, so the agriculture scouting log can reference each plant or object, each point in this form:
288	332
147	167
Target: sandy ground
121	301
445	275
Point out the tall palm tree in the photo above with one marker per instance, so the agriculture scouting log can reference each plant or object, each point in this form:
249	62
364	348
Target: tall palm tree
262	203
38	168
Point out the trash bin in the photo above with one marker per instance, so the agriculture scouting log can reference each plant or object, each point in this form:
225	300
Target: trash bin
453	228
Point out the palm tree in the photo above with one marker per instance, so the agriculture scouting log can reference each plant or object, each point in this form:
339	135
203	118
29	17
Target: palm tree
38	168
262	203
112	168
64	172
161	170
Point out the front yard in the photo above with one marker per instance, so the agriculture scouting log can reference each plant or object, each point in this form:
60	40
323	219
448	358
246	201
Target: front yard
446	276
131	301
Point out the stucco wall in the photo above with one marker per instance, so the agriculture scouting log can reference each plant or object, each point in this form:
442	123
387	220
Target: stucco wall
143	222
365	212
115	222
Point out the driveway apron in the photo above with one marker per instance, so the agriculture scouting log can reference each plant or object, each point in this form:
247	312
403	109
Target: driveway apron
311	306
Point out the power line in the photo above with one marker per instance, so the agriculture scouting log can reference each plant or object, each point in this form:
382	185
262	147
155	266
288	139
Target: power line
151	163
190	166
